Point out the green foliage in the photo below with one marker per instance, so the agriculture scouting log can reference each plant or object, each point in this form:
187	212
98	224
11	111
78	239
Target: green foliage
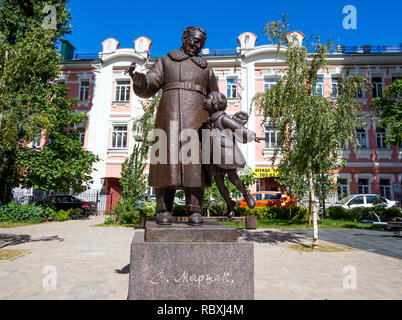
127	213
133	180
269	213
77	213
62	215
32	213
312	127
32	103
390	104
358	214
62	164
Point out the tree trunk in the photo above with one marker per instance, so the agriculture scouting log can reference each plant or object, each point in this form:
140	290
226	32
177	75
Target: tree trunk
7	177
323	209
313	208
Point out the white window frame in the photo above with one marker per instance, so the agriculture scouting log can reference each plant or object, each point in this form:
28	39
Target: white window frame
127	90
334	86
343	187
231	88
359	138
382	136
81	132
365	187
269	130
377	87
270	82
319	86
124	137
383	188
84	90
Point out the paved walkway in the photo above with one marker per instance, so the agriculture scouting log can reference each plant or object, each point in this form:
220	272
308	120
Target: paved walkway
92	263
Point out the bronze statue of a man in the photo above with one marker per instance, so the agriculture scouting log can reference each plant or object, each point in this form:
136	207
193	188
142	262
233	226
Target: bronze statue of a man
185	80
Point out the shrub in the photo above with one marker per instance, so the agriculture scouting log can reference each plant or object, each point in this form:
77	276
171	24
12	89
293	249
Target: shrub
126	213
77	213
337	213
33	213
62	215
149	210
358	214
269	213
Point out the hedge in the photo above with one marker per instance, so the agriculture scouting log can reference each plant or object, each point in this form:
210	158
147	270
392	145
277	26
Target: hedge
33	213
358	214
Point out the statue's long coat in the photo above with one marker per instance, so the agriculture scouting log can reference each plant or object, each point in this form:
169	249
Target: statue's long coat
180	105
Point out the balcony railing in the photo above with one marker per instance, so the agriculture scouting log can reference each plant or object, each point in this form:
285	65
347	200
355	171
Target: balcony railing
83	56
365	49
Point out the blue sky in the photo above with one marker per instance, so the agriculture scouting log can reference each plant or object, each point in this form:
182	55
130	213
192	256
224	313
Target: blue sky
378	22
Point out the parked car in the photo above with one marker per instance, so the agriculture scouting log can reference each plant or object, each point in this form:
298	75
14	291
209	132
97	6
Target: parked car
66	202
365	201
269	198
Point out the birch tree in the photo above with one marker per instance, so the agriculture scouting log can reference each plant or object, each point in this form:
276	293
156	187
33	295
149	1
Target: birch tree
311	127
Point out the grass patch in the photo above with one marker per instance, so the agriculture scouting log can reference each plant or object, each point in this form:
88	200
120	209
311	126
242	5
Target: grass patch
7	225
320	248
113	225
10	254
303	224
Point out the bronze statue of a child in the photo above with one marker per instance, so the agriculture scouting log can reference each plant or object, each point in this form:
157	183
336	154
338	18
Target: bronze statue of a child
225	156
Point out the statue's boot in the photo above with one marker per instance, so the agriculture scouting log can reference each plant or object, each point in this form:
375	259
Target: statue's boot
250	201
164	219
195	219
231	209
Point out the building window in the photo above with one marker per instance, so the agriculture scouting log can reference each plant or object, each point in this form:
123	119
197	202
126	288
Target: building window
258	185
232	88
385	188
119	137
123	91
271	137
342	188
364	186
361	138
84	90
319	87
381	137
360	94
81	132
334	88
270	82
377	87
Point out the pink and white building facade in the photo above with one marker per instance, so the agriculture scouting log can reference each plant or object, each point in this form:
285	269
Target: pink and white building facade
106	96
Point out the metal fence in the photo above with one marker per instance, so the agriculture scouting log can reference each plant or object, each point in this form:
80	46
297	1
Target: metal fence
105	200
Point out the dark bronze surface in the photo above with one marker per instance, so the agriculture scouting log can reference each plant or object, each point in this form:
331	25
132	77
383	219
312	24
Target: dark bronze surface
185	80
181	232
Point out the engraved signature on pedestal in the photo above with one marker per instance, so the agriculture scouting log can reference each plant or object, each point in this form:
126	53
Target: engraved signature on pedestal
187	278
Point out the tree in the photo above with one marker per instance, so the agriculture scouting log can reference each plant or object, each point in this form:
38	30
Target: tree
390	104
29	94
133	179
311	127
62	164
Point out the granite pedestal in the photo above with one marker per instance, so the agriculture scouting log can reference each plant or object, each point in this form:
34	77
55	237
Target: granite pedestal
190	265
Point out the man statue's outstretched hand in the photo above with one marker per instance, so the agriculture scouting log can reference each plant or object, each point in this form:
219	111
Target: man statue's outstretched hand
139	79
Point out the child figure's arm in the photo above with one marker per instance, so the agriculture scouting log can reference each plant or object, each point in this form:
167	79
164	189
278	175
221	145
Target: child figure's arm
241	132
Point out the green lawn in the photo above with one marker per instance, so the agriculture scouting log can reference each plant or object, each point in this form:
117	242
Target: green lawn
303	224
281	224
112	225
6	225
